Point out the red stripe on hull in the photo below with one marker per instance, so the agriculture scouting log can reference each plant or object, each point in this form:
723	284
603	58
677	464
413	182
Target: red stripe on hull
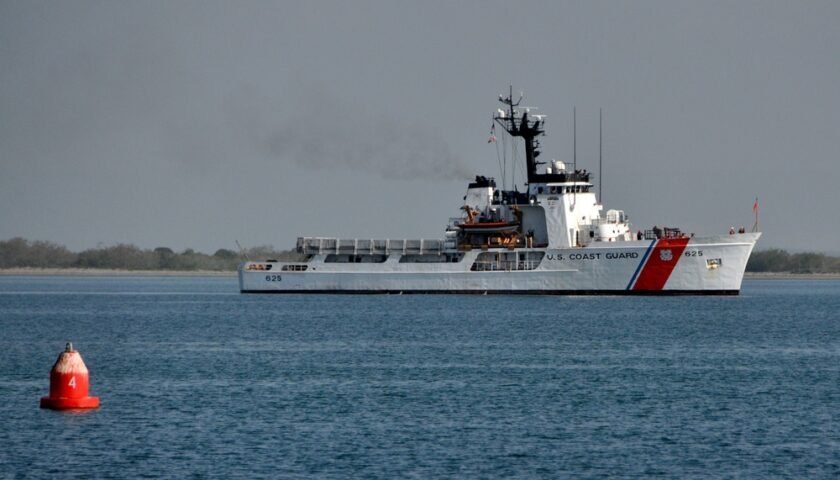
661	263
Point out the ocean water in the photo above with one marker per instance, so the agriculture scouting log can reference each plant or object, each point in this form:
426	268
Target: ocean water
196	380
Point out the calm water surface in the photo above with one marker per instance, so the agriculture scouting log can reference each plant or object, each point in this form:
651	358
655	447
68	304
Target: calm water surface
197	380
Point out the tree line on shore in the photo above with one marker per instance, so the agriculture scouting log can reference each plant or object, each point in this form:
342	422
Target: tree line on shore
22	253
780	261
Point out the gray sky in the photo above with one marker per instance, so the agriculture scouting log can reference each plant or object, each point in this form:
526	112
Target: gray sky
195	124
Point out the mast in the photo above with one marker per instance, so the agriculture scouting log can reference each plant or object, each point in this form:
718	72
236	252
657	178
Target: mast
518	122
523	126
601	155
574	153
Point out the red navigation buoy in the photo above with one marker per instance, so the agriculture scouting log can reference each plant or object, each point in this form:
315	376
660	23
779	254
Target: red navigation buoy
69	383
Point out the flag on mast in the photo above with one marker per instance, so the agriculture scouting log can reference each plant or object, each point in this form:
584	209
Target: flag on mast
755	211
492	138
755	205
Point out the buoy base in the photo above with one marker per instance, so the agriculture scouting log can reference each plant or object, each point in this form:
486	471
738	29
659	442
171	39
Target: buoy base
63	403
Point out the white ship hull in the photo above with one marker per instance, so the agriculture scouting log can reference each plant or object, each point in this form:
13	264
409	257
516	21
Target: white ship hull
698	265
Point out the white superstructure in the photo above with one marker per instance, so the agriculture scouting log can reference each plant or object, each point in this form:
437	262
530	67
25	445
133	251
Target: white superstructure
553	239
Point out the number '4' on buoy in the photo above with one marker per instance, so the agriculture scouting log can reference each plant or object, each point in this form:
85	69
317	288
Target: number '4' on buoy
69	383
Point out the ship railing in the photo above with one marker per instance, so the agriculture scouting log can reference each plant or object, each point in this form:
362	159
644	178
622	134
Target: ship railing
364	246
666	232
612	217
495	261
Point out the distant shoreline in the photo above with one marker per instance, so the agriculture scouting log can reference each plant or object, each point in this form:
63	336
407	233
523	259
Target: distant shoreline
791	276
101	272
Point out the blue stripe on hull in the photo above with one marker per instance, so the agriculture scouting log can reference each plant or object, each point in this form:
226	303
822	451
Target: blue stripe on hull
641	264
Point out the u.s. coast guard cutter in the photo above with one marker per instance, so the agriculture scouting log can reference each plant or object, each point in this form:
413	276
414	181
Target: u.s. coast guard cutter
553	239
